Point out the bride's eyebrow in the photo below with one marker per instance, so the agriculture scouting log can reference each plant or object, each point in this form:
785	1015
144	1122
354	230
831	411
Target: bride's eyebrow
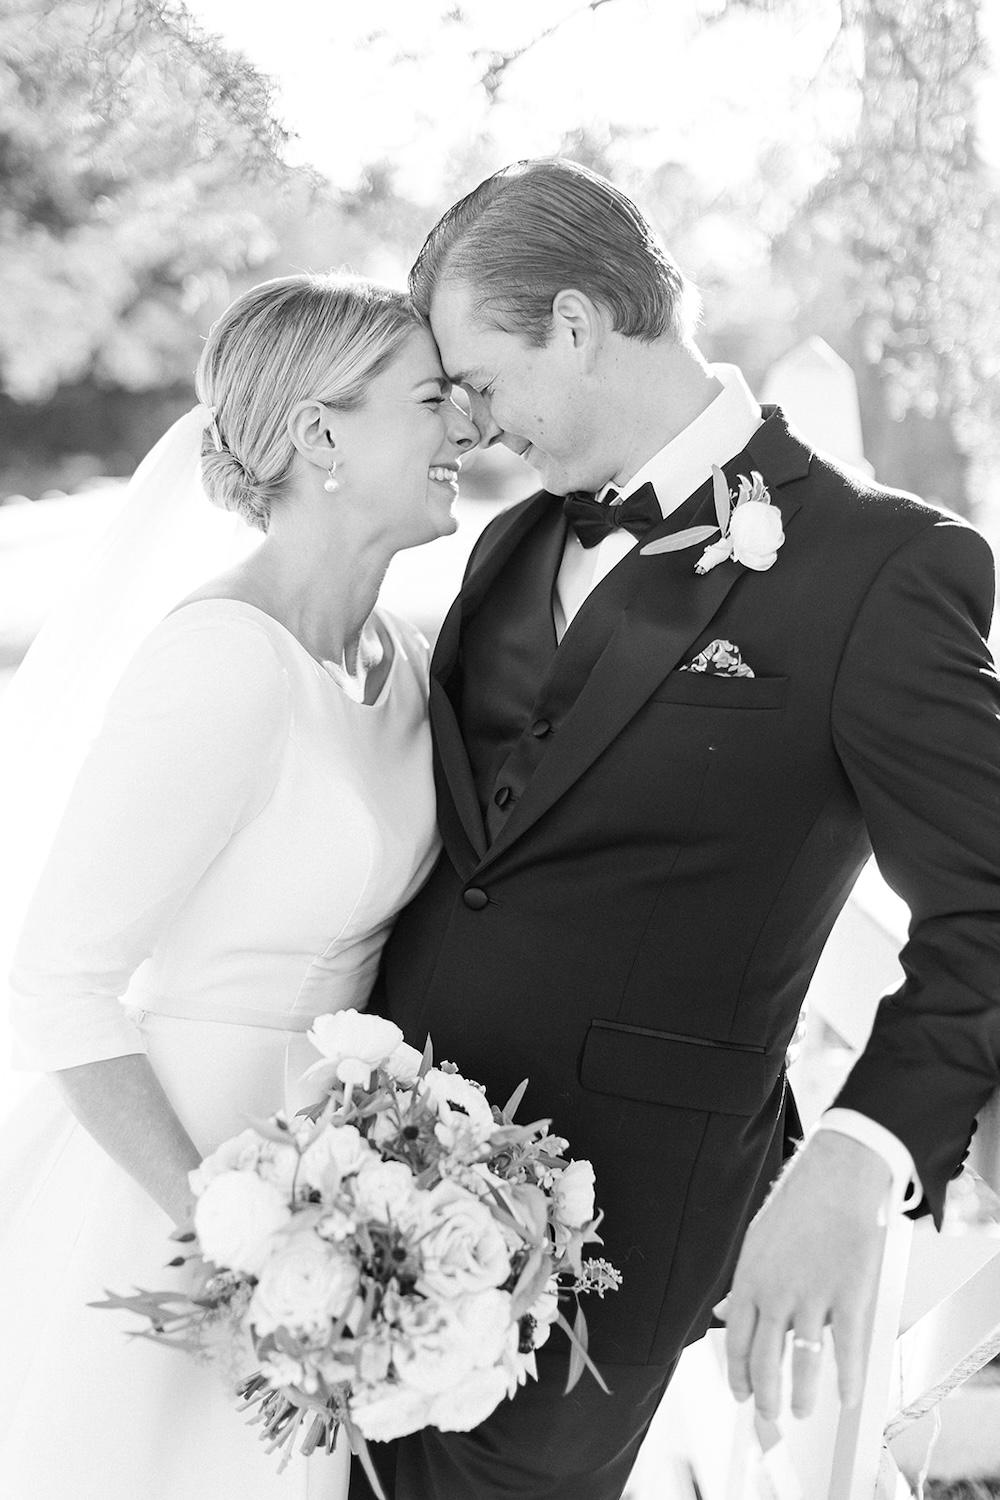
441	381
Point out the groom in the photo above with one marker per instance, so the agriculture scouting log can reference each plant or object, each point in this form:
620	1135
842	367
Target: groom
657	783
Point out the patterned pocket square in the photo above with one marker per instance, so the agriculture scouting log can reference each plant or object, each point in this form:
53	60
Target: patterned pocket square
720	659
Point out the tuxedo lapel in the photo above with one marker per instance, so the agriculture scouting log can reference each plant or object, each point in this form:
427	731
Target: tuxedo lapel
498	543
459	814
636	626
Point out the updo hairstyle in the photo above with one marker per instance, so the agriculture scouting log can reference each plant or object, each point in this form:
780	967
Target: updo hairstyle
295	338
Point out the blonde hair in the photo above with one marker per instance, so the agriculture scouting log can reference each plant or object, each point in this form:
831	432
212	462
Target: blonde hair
295	338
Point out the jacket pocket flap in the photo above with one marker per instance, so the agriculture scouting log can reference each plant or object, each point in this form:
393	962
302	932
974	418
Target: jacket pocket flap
713	690
661	1067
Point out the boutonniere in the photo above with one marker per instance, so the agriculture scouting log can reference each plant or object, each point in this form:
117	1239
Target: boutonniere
749	525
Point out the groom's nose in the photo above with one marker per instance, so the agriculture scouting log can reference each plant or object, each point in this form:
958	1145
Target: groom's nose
482	416
462	430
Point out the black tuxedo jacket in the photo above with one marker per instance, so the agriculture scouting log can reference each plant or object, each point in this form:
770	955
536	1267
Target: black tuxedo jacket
641	864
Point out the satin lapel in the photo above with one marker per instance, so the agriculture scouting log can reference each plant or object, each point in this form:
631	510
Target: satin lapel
459	814
647	611
497	545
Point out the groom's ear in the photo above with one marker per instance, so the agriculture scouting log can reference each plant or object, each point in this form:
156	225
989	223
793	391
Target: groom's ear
578	323
310	428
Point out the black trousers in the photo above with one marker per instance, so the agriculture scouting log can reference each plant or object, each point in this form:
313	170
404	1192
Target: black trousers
541	1445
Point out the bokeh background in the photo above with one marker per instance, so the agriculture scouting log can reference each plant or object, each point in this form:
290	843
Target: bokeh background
827	172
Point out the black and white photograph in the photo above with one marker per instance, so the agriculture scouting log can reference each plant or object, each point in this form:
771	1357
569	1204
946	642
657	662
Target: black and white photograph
499	750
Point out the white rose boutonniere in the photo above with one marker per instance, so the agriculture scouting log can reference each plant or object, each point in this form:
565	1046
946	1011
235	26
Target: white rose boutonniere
749	525
751	528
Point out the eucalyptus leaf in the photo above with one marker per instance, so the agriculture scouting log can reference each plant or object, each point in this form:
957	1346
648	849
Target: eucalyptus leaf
678	540
723	504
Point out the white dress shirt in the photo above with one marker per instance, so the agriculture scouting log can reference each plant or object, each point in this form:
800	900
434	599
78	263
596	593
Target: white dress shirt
715	436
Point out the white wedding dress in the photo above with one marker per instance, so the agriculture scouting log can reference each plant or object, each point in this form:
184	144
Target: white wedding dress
237	844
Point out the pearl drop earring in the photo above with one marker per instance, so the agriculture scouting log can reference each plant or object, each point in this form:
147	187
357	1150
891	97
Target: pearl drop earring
331	483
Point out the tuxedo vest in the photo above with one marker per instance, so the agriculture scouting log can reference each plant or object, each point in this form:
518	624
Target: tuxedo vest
507	653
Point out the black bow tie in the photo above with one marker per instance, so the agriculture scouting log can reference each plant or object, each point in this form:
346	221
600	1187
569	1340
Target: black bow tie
593	520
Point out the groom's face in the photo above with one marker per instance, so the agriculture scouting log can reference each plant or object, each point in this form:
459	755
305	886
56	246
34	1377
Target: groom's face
535	401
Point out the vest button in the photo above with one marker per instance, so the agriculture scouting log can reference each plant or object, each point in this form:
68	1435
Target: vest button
502	796
475	898
541	728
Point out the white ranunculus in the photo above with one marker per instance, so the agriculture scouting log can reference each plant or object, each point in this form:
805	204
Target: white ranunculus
354	1044
462	1248
248	1152
336	1152
304	1285
573	1195
470	1402
757	533
461	1107
383	1412
235	1218
384	1190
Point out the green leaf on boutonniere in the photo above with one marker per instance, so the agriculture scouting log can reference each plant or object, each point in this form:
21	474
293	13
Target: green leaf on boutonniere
723	504
679	540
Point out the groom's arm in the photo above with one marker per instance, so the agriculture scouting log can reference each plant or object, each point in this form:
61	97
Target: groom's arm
915	721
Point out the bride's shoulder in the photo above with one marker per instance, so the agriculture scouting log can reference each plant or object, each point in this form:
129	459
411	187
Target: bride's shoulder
209	654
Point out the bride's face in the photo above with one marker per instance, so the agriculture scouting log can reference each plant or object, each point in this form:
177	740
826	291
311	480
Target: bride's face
401	451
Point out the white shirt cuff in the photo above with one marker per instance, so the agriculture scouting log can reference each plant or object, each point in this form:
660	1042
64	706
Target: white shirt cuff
905	1190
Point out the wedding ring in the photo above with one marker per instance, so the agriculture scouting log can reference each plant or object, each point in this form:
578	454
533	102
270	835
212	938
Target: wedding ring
811	1346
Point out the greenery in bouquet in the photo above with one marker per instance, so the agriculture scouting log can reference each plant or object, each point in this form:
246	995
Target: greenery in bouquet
388	1260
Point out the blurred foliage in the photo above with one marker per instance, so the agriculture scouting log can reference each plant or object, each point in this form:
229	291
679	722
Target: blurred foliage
893	256
142	186
126	141
916	217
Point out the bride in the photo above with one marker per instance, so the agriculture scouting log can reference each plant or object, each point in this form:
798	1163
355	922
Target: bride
256	808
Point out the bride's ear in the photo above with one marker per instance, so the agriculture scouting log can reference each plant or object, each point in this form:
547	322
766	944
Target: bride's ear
310	428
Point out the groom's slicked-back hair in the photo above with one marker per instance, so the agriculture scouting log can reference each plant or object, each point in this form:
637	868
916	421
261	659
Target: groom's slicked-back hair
537	227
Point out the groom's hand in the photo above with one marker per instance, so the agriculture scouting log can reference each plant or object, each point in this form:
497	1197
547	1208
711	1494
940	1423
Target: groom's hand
810	1257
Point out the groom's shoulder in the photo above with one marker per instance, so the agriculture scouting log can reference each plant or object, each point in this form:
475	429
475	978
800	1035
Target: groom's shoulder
841	499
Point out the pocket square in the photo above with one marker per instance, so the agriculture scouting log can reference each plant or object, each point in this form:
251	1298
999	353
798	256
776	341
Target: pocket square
720	659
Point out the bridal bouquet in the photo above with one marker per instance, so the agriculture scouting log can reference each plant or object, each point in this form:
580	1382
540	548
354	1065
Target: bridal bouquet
388	1260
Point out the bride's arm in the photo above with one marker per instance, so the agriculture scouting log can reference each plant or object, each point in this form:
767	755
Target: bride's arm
122	1104
188	755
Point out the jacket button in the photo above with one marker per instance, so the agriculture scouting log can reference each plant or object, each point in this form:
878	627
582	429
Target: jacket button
475	898
502	796
541	728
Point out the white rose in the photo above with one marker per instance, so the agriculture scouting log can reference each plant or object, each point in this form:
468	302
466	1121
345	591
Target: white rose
433	1349
573	1195
337	1152
235	1217
462	1248
353	1044
383	1412
460	1106
487	1320
384	1190
756	533
305	1284
470	1402
404	1063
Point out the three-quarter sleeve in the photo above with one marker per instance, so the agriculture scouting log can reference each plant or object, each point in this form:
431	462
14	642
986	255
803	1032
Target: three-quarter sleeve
188	754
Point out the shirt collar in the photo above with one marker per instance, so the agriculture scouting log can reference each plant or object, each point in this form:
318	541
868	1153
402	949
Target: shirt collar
715	436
